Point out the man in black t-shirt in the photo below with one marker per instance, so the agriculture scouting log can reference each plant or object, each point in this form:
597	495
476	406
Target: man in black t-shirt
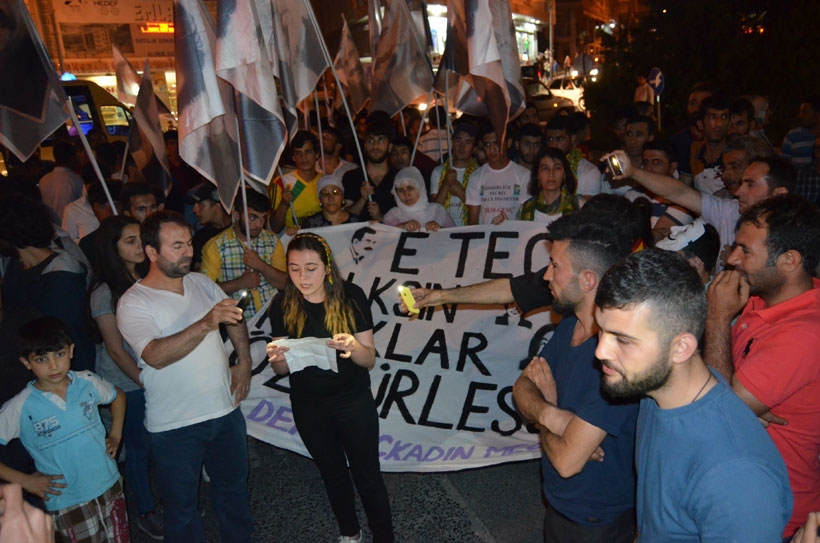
210	214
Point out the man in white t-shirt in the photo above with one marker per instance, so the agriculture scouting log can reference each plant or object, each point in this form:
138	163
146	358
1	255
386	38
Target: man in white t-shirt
171	320
448	181
497	189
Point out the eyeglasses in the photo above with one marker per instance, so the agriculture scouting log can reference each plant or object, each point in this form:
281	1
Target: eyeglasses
330	192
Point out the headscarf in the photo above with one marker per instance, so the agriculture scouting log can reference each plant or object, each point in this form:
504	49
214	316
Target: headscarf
421	211
329	180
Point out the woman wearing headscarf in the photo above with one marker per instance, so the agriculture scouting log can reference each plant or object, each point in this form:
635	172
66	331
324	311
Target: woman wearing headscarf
413	211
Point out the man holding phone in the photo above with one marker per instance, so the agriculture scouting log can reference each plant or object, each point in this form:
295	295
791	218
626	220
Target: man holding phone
238	264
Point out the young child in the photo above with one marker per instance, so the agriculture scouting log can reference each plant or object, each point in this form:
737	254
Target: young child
57	420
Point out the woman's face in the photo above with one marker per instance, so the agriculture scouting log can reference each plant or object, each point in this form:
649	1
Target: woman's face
129	246
408	194
331	198
550	174
307	272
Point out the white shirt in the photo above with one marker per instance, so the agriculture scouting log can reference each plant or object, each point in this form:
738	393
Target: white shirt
79	219
195	388
498	191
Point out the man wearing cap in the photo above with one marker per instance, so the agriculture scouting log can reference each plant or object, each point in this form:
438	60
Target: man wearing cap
236	264
332	163
295	193
210	214
448	183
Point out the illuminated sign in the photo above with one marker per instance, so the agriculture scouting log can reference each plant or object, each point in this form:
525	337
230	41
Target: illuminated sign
157	28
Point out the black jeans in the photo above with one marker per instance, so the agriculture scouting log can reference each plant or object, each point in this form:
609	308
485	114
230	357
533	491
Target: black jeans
338	431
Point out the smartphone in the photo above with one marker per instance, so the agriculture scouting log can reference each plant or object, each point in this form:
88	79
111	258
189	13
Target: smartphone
245	299
615	165
407	298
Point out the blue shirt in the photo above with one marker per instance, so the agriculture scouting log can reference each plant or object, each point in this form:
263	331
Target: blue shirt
708	471
65	437
602	491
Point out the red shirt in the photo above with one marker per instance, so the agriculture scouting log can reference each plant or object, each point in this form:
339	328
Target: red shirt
776	354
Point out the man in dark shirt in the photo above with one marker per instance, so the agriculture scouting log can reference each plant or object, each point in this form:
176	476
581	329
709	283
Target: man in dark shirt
371	198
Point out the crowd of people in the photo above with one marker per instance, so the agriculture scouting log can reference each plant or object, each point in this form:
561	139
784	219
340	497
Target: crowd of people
678	399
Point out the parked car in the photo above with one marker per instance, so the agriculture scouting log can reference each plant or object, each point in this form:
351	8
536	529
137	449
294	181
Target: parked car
570	89
546	102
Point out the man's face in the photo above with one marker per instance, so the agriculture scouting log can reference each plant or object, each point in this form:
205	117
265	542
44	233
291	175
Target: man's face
207	212
559	139
619	128
376	148
399	157
365	245
176	250
101	211
739	125
806	115
530	116
492	148
693	105
142	206
463	146
636	135
753	187
329	142
734	163
528	147
172	148
716	125
258	220
655	161
750	256
305	157
633	360
563	281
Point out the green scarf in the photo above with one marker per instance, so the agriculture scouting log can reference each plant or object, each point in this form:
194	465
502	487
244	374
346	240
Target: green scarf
565	204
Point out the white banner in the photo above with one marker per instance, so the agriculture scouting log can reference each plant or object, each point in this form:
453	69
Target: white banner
443	381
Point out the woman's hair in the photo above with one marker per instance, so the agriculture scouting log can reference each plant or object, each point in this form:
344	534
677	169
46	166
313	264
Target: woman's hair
339	317
109	268
569	178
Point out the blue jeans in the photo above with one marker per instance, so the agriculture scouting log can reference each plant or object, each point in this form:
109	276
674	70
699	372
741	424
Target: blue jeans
221	446
337	431
135	437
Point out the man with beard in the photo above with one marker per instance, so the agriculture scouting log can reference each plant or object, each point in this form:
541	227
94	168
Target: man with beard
713	120
770	354
706	469
372	196
763	178
171	319
238	264
587	441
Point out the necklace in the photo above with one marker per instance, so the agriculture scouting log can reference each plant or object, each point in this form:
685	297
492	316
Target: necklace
702	388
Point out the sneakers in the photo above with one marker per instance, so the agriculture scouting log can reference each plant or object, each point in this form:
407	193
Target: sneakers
351	539
151	525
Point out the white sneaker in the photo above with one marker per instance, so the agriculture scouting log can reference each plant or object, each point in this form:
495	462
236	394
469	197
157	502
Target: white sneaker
351	539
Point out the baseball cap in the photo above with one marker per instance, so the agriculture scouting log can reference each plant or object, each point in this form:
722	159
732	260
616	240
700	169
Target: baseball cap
203	191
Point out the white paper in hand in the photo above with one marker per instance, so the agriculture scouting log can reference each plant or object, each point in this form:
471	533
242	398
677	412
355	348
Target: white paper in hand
309	351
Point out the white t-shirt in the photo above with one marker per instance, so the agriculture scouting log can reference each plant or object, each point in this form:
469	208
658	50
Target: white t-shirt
498	190
195	388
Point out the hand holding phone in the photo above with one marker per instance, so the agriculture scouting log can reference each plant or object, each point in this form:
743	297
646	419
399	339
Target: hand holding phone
407	298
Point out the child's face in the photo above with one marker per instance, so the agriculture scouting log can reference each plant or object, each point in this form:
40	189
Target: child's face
51	368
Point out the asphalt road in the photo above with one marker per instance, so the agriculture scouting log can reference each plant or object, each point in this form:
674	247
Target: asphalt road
496	504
